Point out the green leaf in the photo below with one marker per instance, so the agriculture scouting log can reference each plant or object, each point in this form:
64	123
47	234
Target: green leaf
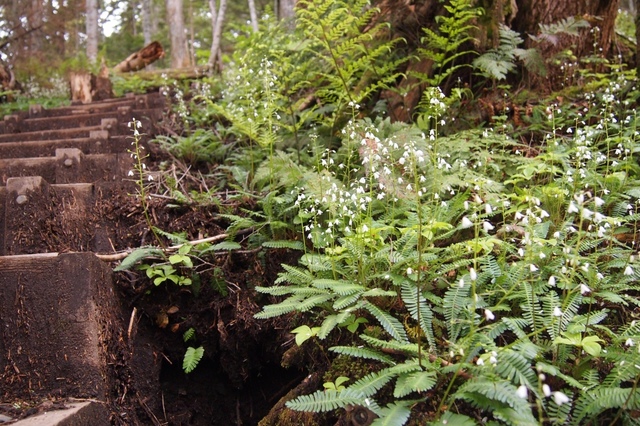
304	333
388	322
191	358
136	256
591	346
395	414
420	381
189	334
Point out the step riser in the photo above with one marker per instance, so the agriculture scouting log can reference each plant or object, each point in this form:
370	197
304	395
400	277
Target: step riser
36	217
13	125
56	320
35	149
68	168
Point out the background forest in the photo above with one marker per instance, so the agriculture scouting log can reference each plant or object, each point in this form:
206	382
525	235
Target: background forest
454	184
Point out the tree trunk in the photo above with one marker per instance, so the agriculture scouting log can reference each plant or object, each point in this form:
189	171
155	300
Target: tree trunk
286	9
599	13
147	22
175	22
92	30
254	15
637	7
217	20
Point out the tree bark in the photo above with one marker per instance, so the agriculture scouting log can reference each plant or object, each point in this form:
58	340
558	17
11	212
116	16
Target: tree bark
92	30
254	15
175	22
637	7
140	59
286	9
599	13
217	20
147	22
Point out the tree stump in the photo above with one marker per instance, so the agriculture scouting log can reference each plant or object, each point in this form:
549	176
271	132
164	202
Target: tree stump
86	87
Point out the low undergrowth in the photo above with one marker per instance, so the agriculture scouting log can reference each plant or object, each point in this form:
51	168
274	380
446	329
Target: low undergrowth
482	274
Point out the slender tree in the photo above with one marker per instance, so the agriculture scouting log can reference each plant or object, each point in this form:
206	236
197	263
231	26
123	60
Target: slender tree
286	9
217	20
147	21
254	15
92	30
175	22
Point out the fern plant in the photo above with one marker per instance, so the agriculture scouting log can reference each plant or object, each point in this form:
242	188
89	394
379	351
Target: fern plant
474	263
443	45
351	65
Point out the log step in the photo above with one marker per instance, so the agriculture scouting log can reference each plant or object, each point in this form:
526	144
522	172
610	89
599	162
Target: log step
98	143
58	313
76	413
69	165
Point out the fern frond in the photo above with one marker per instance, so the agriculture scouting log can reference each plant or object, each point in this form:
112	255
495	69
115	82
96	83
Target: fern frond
455	300
515	367
419	311
137	255
341	287
327	400
394	345
290	304
364	353
282	244
395	414
500	399
420	381
388	322
191	358
372	382
295	275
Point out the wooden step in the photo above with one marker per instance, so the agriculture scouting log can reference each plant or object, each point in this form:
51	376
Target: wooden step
98	142
58	316
67	166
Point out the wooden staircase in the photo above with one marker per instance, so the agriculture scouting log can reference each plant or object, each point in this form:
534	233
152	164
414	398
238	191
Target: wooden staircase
58	314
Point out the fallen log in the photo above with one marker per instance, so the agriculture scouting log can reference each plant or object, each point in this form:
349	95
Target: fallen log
140	59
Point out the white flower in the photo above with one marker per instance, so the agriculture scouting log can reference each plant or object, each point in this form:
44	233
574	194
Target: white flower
472	274
629	342
130	173
598	201
479	361
560	398
487	226
522	392
492	359
552	281
557	312
461	283
365	228
546	390
489	315
533	268
572	208
409	271
584	289
628	270
466	223
542	255
488	209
